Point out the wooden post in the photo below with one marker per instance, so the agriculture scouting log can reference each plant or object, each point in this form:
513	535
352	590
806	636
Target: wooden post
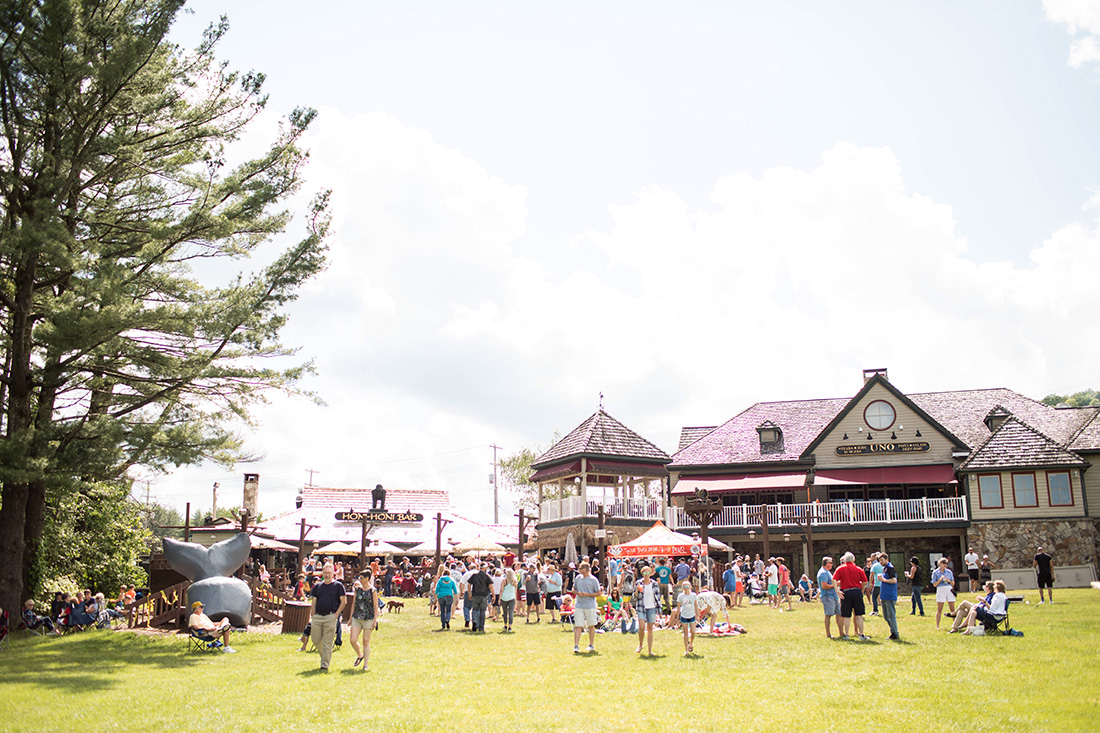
764	529
187	524
244	528
440	523
603	560
363	546
522	526
301	545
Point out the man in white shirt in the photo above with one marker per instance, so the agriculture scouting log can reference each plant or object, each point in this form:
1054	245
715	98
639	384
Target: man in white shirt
971	559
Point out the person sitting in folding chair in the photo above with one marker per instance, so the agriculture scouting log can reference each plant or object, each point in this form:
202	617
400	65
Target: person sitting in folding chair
206	630
3	627
34	623
994	613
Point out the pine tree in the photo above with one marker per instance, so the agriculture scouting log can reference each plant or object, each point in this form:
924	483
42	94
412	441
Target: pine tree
114	182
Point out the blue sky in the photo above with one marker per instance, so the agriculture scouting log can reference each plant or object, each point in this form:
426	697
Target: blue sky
687	207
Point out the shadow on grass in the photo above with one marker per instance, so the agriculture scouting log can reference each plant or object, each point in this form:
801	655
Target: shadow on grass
64	664
315	672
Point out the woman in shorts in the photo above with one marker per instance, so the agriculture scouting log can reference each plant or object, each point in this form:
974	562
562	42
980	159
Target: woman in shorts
686	606
364	617
626	585
943	580
646	596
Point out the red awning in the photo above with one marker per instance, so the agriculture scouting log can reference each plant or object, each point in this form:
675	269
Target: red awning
545	474
942	474
740	482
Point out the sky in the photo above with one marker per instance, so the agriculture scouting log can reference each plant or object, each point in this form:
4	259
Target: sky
685	207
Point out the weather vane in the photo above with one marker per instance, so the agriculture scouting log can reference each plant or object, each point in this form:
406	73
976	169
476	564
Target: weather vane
601	400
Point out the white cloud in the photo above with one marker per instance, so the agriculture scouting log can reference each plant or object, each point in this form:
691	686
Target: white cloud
434	332
1081	17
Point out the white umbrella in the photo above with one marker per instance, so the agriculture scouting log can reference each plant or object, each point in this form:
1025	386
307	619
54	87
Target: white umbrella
570	549
477	545
425	549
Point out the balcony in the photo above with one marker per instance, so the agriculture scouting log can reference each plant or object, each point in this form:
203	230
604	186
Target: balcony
830	514
836	514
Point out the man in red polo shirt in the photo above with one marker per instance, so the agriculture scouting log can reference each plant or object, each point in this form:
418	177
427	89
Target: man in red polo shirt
851	580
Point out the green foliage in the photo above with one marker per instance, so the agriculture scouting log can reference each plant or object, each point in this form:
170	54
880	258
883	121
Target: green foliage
1087	398
115	181
95	536
516	471
155	518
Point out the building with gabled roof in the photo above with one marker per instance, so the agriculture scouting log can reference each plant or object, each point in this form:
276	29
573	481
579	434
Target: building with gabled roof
600	463
926	474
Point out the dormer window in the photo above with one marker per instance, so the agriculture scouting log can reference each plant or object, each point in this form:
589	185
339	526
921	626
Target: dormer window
996	418
771	437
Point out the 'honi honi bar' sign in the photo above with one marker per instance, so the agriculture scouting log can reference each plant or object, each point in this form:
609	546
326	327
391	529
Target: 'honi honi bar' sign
856	449
379	516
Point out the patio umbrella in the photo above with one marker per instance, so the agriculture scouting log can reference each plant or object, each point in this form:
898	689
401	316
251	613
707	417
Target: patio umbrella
427	549
477	545
570	549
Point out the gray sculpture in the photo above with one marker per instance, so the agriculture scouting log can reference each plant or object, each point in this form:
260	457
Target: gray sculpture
208	569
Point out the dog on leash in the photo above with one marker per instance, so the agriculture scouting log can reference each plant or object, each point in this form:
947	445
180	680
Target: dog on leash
394	606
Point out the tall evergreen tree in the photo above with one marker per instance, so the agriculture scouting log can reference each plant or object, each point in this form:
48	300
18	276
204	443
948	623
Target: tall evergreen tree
113	182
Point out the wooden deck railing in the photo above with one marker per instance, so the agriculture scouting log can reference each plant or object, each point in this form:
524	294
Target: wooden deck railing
167	607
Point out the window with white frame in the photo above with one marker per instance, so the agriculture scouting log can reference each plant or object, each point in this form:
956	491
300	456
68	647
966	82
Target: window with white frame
989	491
1059	487
1023	489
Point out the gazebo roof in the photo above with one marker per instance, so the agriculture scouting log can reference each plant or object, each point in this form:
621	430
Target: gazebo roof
602	436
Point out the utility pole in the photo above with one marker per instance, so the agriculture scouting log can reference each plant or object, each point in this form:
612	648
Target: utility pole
496	503
367	527
311	471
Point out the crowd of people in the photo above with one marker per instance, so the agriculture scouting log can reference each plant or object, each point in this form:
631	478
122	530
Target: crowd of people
78	611
640	596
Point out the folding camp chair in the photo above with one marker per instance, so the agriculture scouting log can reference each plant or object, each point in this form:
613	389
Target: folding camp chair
993	624
27	630
201	641
3	630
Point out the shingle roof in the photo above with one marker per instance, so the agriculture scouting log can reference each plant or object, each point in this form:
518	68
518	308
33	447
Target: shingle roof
689	435
602	435
1088	439
962	413
1016	444
737	441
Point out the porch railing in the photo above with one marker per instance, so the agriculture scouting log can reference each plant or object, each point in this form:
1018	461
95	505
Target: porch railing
878	511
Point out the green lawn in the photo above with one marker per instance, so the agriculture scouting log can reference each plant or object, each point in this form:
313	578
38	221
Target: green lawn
423	680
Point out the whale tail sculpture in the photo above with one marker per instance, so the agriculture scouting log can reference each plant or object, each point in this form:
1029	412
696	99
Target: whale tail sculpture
208	568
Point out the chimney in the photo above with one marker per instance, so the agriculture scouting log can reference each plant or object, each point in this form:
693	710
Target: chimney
868	374
251	494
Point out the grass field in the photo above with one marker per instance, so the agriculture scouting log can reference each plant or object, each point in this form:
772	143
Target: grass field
782	676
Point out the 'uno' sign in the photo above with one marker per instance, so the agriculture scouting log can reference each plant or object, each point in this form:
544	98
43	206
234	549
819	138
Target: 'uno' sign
858	449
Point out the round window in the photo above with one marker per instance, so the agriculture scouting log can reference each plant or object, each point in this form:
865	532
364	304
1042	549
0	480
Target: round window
879	415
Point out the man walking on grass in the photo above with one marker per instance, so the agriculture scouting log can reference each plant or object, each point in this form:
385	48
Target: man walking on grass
1044	573
328	599
586	587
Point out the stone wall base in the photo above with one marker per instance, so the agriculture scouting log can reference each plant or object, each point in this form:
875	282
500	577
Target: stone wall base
1011	543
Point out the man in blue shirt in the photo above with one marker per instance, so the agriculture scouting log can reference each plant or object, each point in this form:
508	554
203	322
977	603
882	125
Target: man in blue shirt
889	593
830	599
664	578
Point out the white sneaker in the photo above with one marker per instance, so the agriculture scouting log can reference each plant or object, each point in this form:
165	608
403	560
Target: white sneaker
576	650
1039	603
229	650
590	648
